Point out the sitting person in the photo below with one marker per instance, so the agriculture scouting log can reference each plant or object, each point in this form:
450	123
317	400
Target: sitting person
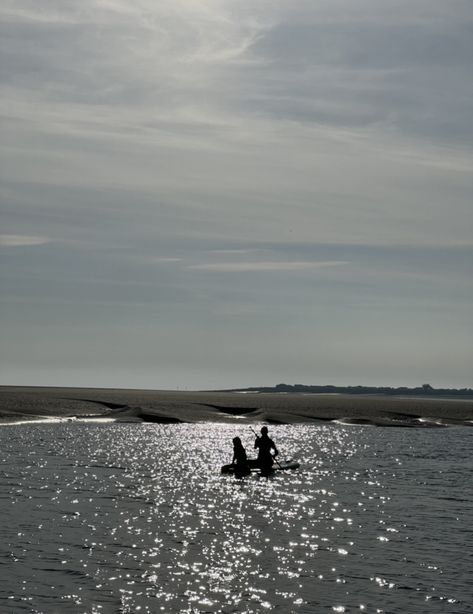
240	459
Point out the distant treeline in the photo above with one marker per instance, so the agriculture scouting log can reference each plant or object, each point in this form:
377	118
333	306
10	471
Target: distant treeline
424	390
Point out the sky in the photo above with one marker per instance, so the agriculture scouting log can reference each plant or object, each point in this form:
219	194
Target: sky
209	194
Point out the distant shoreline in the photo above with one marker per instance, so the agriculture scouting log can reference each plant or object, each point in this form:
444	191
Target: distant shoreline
22	403
425	391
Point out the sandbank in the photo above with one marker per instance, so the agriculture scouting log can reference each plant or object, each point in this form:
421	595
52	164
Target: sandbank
19	404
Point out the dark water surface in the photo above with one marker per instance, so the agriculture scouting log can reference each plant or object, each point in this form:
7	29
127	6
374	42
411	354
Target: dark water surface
133	518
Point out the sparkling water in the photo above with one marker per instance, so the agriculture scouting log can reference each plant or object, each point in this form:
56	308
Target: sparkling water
135	518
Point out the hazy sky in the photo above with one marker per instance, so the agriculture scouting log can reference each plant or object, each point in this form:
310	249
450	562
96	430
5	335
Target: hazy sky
218	193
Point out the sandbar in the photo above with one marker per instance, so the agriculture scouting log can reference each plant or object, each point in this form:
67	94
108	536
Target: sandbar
22	403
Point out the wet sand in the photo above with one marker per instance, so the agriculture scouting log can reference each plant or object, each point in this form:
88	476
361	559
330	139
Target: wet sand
30	403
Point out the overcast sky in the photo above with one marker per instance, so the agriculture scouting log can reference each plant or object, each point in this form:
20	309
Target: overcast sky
229	193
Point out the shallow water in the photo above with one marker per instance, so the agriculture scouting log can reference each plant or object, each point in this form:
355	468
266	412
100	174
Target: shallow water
132	518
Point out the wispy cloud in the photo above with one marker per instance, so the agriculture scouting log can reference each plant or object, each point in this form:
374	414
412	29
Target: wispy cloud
22	240
242	267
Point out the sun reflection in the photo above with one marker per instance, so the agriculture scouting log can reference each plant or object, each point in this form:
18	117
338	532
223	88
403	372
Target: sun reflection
143	515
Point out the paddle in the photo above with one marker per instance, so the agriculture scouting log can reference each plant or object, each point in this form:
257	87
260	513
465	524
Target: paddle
257	437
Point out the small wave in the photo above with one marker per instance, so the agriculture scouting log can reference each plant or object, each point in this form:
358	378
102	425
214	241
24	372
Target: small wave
56	420
433	422
405	422
354	422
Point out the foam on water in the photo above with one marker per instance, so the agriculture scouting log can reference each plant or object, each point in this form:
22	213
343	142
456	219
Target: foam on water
130	518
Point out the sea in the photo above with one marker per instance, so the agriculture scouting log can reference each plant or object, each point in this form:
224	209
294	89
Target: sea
137	518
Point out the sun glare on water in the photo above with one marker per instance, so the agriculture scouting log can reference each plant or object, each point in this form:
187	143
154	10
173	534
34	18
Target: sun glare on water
137	518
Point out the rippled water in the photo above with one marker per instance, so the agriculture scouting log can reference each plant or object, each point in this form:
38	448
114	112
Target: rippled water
136	518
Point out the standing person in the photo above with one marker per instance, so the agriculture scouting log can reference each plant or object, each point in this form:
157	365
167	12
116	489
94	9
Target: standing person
265	444
240	459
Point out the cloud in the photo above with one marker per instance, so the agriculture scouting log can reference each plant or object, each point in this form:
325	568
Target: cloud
166	142
22	240
250	267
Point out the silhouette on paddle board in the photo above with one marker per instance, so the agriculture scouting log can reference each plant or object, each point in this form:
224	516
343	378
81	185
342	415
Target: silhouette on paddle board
267	451
240	459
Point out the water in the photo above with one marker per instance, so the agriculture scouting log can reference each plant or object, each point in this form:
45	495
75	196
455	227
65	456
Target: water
136	519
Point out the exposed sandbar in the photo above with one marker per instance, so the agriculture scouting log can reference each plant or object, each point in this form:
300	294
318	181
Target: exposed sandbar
29	403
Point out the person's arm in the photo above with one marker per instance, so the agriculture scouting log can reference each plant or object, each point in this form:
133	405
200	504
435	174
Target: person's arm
274	448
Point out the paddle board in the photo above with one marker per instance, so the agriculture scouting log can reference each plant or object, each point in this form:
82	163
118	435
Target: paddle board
279	466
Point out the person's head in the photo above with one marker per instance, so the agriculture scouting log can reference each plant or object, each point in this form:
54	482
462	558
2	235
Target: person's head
264	431
236	441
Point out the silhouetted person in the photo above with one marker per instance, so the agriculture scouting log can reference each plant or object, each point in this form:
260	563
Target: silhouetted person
264	445
240	459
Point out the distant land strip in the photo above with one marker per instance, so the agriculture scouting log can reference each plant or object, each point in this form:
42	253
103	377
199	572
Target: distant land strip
426	390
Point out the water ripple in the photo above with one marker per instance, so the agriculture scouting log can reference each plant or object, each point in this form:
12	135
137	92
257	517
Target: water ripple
129	518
